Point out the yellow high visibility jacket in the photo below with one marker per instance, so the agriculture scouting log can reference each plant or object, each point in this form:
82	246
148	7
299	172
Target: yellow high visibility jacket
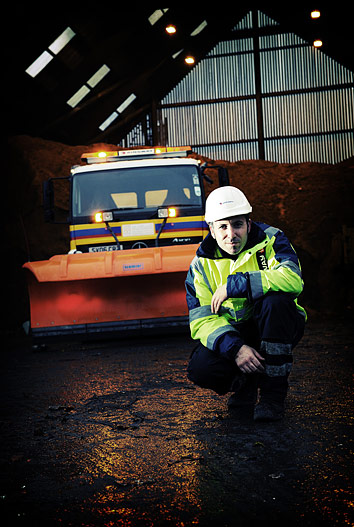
267	263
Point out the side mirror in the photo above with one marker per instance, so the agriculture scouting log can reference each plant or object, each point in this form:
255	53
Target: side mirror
223	174
223	177
48	201
56	204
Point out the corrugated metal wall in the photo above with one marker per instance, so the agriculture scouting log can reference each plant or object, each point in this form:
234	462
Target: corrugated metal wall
306	111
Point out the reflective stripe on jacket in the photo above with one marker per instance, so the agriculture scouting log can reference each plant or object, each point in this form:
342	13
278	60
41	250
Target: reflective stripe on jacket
267	263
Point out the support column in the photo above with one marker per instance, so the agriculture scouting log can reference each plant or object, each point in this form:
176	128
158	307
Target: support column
154	125
258	85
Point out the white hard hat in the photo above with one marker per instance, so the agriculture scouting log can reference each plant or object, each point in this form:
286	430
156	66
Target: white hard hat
225	202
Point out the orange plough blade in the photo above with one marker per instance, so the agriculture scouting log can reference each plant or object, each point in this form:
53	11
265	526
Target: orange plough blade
109	291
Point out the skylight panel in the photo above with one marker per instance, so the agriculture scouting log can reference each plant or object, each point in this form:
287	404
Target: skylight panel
126	103
199	29
119	110
78	96
156	15
175	55
62	41
98	76
59	43
39	64
108	121
86	88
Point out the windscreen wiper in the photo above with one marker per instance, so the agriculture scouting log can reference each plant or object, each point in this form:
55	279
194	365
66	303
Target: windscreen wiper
160	231
163	212
113	234
105	217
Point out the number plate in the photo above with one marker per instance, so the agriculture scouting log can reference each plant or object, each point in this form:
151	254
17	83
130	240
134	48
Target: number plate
138	229
103	248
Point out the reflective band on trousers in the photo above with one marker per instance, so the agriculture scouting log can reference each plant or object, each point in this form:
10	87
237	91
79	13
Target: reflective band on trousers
276	349
278	371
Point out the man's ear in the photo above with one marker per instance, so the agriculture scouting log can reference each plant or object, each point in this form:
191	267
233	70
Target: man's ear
211	228
249	225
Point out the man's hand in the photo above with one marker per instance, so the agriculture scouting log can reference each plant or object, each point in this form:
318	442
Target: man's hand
249	360
219	297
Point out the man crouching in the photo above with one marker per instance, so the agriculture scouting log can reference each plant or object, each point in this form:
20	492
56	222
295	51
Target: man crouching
242	290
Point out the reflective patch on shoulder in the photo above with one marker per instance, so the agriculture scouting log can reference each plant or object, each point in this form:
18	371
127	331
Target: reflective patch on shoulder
272	231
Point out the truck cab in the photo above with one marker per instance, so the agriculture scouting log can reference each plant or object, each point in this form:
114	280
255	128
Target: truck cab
144	199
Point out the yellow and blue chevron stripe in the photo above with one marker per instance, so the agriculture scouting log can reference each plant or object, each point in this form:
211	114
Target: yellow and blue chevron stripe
97	233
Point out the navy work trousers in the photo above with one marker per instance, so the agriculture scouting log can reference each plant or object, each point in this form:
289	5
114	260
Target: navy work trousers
275	319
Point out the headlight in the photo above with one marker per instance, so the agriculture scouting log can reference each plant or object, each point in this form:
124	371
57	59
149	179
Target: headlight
101	217
170	212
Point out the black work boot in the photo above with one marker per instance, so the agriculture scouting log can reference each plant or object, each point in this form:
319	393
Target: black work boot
274	382
272	394
245	388
268	411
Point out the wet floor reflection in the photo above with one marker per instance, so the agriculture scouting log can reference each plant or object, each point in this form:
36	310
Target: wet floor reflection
142	442
122	438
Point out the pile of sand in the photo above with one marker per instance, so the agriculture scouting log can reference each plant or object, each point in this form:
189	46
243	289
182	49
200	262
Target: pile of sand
311	202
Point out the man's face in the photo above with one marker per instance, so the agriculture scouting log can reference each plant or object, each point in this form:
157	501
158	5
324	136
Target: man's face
231	234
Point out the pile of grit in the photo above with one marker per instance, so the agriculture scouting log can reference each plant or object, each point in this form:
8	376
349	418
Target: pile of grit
310	202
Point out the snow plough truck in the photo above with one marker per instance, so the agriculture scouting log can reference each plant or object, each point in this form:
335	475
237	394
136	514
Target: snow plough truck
136	218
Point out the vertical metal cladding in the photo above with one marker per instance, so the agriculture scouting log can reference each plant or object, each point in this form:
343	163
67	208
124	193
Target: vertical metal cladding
212	123
331	148
300	67
308	113
307	101
316	122
222	87
227	71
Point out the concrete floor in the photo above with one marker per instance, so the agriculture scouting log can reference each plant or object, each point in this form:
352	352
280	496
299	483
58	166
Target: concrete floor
113	434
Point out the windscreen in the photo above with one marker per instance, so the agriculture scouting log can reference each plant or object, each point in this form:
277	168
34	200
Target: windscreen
130	189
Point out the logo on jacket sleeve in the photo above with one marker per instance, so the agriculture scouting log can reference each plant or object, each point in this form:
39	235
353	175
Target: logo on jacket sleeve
262	260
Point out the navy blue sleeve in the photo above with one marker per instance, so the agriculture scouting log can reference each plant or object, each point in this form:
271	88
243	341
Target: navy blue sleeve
228	344
237	285
284	250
